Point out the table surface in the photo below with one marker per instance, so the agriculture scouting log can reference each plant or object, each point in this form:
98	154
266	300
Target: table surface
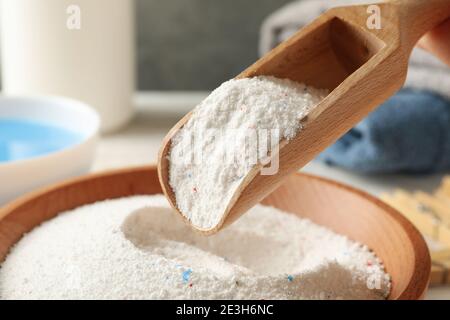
138	144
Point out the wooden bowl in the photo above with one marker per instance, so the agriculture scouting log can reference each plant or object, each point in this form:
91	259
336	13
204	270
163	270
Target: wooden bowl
341	208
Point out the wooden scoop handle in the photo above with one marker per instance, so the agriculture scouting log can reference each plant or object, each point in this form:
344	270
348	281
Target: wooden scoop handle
420	16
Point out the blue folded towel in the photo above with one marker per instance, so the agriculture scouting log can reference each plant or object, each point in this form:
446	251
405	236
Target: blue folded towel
408	133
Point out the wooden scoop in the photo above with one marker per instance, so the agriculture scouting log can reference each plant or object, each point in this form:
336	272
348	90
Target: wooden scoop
343	51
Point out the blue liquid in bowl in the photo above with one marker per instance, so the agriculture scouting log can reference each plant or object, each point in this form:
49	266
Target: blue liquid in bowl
23	139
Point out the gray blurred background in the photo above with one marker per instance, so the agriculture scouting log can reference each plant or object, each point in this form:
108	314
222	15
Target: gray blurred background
197	44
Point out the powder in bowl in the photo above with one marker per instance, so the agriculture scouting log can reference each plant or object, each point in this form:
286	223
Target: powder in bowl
137	248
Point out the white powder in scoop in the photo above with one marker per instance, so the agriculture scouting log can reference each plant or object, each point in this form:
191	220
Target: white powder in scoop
137	248
232	118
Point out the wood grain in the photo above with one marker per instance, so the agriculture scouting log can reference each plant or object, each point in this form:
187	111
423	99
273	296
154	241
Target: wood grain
361	67
338	207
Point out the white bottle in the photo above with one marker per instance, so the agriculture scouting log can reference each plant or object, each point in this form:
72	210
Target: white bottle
82	49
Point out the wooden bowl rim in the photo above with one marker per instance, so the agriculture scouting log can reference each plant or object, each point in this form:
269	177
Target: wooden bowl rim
413	290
